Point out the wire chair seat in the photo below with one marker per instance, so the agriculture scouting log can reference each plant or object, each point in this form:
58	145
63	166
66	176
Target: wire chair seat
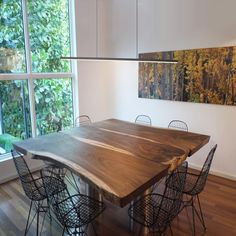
156	211
190	186
78	210
72	211
34	189
195	182
194	185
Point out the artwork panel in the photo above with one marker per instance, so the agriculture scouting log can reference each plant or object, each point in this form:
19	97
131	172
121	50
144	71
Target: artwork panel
205	75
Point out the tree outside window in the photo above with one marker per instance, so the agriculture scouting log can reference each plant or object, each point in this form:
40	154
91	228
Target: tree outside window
33	37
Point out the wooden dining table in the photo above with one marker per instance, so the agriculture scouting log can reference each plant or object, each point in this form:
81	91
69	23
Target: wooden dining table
120	159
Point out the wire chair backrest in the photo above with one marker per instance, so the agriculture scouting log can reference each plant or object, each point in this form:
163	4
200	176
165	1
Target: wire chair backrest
71	210
174	191
202	178
82	120
59	197
143	119
29	184
161	207
170	202
178	124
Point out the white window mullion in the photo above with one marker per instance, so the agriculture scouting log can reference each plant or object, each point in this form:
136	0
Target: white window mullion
74	52
32	106
29	67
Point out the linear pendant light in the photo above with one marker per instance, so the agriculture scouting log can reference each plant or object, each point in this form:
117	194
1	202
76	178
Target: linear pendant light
120	59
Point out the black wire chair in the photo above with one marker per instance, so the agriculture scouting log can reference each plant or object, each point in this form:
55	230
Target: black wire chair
156	211
34	190
194	185
82	120
178	124
143	120
74	212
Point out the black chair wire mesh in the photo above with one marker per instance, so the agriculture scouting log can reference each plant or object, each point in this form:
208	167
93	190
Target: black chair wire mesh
74	212
34	190
63	173
156	211
143	119
194	185
54	170
82	120
178	124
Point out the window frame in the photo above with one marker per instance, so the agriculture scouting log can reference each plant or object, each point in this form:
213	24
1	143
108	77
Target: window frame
30	76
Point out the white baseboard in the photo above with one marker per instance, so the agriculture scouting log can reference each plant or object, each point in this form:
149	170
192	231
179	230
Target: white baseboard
15	176
214	172
8	169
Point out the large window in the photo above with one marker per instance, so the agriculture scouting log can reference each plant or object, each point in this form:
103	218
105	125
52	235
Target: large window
35	84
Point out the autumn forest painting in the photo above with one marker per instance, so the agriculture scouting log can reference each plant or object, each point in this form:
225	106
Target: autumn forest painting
201	75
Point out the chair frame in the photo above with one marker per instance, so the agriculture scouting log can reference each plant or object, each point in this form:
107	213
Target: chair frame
178	124
169	202
80	122
33	188
65	206
143	122
197	188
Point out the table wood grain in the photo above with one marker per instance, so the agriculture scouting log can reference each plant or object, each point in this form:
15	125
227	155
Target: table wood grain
120	159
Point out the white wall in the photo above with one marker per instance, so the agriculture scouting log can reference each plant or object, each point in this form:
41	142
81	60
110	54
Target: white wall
86	15
8	170
117	17
95	79
111	89
182	24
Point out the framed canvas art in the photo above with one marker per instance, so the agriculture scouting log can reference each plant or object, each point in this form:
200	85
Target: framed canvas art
205	75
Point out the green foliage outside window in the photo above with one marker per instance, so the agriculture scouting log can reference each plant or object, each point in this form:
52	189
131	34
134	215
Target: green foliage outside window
12	46
49	35
53	104
49	40
14	105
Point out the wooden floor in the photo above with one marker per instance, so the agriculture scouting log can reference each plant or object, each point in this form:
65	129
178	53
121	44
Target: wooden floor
218	203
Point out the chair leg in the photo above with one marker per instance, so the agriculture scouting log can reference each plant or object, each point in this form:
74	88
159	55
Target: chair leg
72	181
64	228
37	228
26	228
43	222
95	233
193	217
202	219
171	230
131	221
140	230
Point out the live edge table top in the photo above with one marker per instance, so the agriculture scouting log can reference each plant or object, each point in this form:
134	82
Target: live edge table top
121	159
